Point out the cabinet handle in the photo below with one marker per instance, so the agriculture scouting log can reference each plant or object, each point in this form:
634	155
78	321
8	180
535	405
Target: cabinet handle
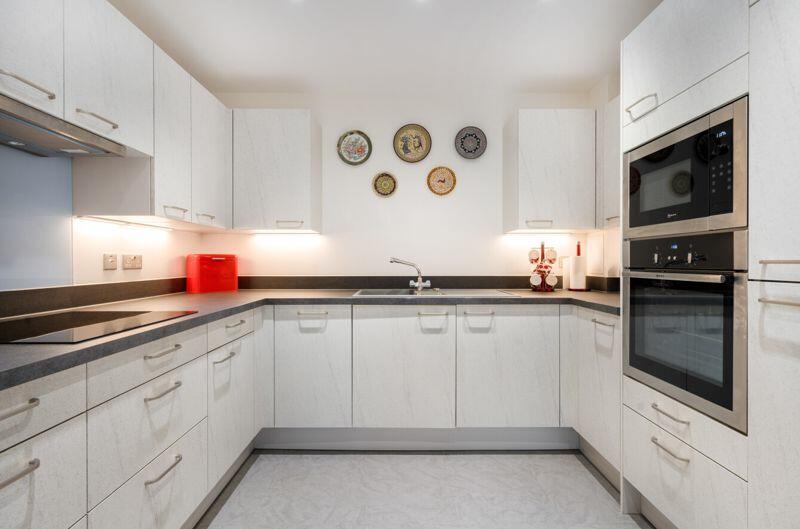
604	324
165	352
50	95
22	408
209	216
178	208
312	313
178	459
471	313
299	223
167	391
612	218
222	361
32	465
98	116
784	302
666	414
629	108
655	441
528	222
432	313
779	261
234	325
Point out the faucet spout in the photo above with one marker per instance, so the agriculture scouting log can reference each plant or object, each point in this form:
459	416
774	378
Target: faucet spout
419	284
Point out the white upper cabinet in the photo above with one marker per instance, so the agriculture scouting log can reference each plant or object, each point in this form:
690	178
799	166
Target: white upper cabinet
678	45
32	53
172	164
276	170
612	164
108	74
774	127
211	159
554	186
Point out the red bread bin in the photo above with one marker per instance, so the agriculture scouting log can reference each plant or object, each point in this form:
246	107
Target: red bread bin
211	273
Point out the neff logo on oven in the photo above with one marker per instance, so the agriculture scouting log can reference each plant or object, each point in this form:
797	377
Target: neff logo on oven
670	215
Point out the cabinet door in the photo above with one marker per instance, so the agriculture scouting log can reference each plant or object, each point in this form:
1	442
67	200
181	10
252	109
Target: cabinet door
172	165
264	383
108	74
211	159
230	405
507	366
612	164
32	53
556	168
568	365
404	366
599	382
774	127
313	366
272	169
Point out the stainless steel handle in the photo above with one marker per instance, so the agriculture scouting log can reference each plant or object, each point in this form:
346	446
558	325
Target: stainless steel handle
209	216
98	116
629	108
665	414
32	465
471	313
167	391
779	261
312	313
612	218
604	324
784	302
432	313
50	95
655	441
218	259
165	352
22	408
234	325
178	208
298	222
528	222
178	459
689	278
223	360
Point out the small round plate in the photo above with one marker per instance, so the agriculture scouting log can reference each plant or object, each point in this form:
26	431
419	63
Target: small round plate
470	142
384	184
412	143
441	180
354	147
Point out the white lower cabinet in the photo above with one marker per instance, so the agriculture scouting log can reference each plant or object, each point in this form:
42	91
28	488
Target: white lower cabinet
164	493
404	366
230	405
51	490
691	490
568	365
264	362
507	366
313	366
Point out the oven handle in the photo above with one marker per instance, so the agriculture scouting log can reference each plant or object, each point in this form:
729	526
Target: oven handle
690	278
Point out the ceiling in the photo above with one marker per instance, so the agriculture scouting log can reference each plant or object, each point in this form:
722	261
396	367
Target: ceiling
391	46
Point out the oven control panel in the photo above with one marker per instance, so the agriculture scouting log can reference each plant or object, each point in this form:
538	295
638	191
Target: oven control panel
720	168
714	251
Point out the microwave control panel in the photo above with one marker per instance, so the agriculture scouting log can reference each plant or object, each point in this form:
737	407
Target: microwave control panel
713	251
720	168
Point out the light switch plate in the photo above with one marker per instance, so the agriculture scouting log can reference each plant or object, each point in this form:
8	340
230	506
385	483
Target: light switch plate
131	262
109	261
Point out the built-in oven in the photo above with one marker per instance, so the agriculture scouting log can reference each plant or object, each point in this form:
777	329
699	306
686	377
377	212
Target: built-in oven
685	316
691	180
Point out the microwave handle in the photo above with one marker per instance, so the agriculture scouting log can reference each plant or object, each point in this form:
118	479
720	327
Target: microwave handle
691	278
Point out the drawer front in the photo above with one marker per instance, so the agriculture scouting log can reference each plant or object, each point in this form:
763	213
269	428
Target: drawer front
35	406
128	431
709	437
229	329
164	493
52	495
691	490
117	373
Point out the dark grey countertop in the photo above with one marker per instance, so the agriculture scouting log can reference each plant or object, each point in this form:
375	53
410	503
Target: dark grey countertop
21	363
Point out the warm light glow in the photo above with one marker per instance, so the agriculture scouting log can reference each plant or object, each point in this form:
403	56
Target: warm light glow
292	240
116	222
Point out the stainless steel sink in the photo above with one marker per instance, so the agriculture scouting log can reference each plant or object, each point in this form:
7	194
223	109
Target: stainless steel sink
446	292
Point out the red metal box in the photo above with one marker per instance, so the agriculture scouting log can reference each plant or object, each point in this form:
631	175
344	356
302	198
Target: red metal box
211	273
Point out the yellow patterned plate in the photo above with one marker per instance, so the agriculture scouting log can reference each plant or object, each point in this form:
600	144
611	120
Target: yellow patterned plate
441	180
384	184
412	143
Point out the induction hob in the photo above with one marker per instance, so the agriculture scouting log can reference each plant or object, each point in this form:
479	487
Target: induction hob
79	325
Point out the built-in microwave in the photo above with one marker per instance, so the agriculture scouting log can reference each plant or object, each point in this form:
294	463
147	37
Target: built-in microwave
691	180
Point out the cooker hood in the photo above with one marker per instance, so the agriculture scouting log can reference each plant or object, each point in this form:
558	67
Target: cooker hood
28	129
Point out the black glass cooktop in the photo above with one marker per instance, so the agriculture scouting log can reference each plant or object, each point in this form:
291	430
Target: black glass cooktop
79	325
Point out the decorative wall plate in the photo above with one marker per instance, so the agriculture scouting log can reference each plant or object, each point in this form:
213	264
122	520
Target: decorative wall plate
384	184
441	180
412	143
470	142
354	147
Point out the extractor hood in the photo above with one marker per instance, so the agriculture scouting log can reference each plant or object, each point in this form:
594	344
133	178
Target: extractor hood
29	129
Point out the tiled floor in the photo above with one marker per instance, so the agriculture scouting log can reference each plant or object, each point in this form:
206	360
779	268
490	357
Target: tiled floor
417	491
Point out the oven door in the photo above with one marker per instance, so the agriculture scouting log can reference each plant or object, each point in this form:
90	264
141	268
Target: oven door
686	336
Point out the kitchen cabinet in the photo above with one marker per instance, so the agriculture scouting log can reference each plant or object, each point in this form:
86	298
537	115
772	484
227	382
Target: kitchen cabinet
313	366
507	366
554	184
568	365
108	74
230	405
612	166
404	366
32	53
264	361
276	170
230	328
212	170
774	126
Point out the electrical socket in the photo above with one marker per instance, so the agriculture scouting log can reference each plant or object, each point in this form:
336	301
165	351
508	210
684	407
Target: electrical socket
109	261
131	262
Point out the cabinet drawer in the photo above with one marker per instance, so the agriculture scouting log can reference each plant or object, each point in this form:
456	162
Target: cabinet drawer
128	431
691	490
709	437
229	329
116	374
164	493
51	495
37	405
